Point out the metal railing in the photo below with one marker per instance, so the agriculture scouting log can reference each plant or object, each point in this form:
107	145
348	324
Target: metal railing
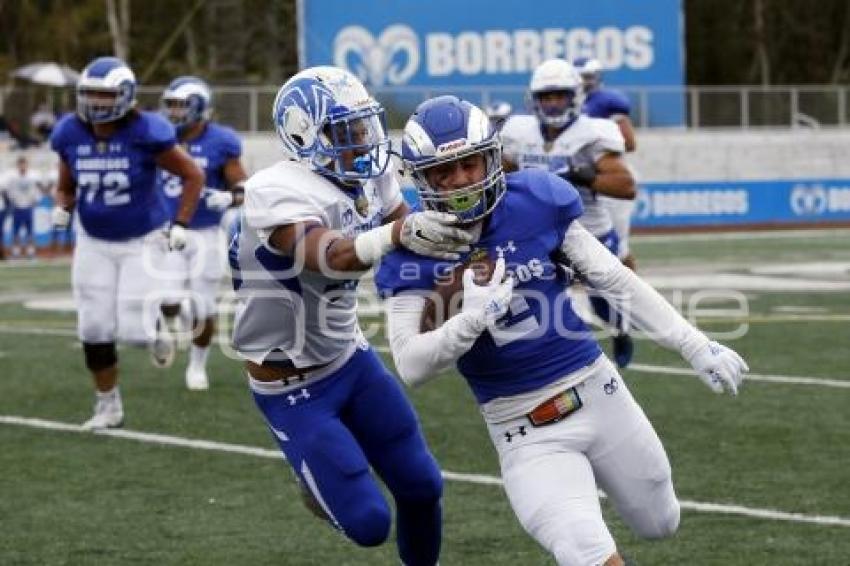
248	108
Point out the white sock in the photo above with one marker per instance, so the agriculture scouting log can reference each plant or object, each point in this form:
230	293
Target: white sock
198	356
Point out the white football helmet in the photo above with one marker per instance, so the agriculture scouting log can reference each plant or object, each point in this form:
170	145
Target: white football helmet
555	76
323	112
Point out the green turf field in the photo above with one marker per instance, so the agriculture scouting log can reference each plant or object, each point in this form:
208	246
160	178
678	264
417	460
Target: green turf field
773	462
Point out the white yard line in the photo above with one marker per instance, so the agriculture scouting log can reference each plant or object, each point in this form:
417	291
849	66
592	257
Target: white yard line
785	379
481	479
643	368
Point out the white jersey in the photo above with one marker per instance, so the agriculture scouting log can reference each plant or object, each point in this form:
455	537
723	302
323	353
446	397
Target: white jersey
23	191
303	316
585	140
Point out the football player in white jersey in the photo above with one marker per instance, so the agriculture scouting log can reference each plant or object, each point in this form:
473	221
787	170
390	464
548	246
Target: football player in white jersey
108	158
585	151
310	226
600	102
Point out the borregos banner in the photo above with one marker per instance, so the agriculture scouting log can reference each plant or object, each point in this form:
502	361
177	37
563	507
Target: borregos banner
396	44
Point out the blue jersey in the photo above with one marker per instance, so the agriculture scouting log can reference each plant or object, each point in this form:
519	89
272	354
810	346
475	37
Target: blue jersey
604	103
215	146
541	339
116	177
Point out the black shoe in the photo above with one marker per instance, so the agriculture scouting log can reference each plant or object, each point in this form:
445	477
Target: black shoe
624	349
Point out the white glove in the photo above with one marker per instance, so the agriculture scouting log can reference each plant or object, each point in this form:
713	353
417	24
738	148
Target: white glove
719	367
487	303
435	234
219	200
177	237
59	217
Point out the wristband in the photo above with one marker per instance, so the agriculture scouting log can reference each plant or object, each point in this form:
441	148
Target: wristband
371	246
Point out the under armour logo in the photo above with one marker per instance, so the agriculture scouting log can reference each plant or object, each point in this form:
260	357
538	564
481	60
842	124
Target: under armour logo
507	248
304	394
611	387
515	431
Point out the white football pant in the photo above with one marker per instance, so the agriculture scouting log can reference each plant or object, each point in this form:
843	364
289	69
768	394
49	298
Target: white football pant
113	283
551	473
195	271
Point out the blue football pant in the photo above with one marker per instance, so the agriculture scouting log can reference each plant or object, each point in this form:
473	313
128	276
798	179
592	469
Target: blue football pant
333	430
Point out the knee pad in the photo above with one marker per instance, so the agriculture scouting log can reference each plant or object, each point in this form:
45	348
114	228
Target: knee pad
100	356
370	524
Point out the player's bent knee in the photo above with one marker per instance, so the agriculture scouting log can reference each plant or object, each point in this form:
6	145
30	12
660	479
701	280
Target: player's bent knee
100	356
369	525
663	524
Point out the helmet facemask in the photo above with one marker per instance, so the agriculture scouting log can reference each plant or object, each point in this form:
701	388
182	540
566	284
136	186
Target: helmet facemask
353	144
472	202
554	114
99	104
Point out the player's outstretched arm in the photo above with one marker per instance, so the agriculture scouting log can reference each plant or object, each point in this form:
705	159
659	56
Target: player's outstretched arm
420	356
719	367
322	249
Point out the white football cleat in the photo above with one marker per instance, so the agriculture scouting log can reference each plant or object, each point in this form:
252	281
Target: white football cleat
196	378
108	413
162	348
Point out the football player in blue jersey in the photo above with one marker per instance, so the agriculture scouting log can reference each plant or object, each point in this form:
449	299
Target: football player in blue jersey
310	226
601	102
108	157
560	416
187	103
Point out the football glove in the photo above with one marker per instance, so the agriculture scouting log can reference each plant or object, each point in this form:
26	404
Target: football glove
59	217
489	302
177	236
434	234
578	173
218	200
719	367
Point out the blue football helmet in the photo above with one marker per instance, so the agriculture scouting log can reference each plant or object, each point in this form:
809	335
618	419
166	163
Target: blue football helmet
106	90
590	71
186	101
555	76
324	116
446	129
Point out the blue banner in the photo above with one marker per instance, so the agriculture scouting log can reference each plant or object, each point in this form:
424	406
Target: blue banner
725	203
445	44
797	201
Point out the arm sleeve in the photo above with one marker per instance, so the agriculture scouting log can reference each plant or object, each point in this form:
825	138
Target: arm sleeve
420	356
631	295
608	139
232	146
619	104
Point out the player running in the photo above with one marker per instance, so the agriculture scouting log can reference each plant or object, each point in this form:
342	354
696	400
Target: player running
560	416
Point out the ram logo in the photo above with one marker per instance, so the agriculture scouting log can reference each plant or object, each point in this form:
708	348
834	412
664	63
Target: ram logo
392	58
808	200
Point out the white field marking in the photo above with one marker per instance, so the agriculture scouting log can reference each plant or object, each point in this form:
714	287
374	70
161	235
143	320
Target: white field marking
785	379
755	235
480	479
385	349
793	309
